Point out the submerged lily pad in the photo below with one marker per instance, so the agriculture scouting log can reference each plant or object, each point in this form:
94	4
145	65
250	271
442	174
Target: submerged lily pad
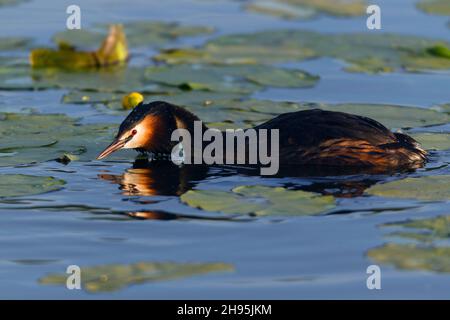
139	33
365	52
430	188
29	138
433	141
413	257
15	185
441	7
229	78
259	200
114	277
302	9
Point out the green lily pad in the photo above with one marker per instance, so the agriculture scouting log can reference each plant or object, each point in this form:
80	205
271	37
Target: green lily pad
16	185
424	230
259	200
139	33
413	257
235	110
365	52
29	138
280	9
423	256
115	79
430	188
441	7
392	116
433	141
91	97
14	43
245	79
10	2
114	277
302	9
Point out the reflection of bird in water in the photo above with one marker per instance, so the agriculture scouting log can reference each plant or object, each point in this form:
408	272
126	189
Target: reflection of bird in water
157	178
310	137
153	178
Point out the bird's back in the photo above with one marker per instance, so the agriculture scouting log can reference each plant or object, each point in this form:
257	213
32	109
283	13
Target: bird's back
319	137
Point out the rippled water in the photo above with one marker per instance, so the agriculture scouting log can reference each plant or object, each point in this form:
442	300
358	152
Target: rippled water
111	213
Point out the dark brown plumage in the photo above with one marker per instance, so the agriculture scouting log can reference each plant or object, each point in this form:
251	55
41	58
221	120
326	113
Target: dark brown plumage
329	138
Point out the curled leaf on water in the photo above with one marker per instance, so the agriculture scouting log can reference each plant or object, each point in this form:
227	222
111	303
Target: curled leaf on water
113	50
145	33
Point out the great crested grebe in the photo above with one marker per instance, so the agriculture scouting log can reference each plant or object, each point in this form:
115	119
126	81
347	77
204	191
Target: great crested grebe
309	138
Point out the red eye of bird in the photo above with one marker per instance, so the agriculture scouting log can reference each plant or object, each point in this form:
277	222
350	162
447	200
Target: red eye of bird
133	132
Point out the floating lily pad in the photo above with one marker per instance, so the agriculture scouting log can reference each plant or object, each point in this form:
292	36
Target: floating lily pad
281	9
441	7
302	9
259	200
413	257
139	33
10	2
433	141
365	52
29	138
113	79
425	230
15	185
430	188
423	256
114	277
13	43
229	78
390	115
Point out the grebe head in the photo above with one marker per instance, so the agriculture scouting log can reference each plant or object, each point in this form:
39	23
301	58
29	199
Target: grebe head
148	128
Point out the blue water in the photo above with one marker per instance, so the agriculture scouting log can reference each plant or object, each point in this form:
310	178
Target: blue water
86	222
